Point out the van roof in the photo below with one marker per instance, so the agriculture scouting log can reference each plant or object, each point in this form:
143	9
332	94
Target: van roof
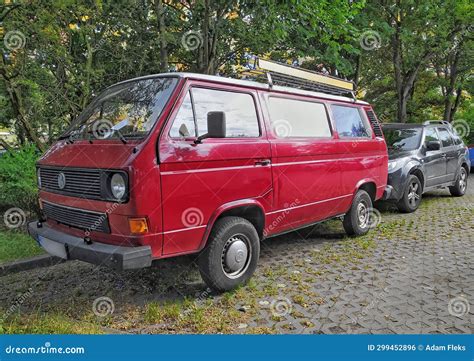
249	83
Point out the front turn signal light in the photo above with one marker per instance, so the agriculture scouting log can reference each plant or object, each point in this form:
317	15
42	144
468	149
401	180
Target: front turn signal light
138	225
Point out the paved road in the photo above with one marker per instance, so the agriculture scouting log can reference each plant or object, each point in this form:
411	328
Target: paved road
412	274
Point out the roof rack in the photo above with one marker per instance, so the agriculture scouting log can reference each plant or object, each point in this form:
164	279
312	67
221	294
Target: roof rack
444	122
275	73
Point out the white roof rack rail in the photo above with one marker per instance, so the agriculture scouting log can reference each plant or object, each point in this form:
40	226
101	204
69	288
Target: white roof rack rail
281	74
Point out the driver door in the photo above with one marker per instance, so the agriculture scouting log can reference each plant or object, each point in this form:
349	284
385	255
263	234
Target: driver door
435	162
197	179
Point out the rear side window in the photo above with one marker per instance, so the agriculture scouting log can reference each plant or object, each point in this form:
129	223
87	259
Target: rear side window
349	122
239	109
431	135
297	118
445	137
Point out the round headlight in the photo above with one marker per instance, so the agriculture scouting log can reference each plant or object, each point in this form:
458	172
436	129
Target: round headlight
118	186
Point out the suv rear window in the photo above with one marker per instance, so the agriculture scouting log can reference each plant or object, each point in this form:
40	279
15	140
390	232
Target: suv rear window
445	137
298	118
349	122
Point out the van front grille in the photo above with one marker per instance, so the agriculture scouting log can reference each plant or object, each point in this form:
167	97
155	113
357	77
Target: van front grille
82	183
79	218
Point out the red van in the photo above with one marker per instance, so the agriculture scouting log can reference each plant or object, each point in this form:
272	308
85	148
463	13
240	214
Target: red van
178	163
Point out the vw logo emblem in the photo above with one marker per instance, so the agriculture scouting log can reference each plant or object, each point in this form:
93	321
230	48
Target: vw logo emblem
61	180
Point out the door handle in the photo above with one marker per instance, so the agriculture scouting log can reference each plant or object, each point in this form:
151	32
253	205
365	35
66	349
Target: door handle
263	162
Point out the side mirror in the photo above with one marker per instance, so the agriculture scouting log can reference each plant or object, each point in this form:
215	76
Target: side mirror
216	126
433	145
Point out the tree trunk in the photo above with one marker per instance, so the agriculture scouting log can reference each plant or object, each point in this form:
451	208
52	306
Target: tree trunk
164	66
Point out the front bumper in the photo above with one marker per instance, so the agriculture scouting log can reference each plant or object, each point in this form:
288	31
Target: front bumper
69	247
388	193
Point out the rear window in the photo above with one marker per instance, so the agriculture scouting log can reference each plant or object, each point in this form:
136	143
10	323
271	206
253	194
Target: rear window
297	118
350	123
445	137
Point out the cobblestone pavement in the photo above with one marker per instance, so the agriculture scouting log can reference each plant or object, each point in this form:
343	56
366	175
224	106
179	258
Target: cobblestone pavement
411	274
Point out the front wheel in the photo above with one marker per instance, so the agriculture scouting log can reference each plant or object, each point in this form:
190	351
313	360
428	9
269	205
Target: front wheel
231	254
411	196
460	186
357	221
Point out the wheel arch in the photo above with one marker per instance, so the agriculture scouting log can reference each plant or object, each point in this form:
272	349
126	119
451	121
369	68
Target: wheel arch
249	209
369	185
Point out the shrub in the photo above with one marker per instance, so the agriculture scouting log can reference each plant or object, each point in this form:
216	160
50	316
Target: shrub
18	185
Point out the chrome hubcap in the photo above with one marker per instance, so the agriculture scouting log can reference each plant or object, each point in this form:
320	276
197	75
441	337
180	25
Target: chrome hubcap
414	194
236	256
462	180
363	214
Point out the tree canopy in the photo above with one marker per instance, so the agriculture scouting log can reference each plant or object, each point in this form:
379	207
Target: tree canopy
411	59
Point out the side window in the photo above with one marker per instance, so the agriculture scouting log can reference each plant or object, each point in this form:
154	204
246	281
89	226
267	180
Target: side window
183	125
296	118
239	109
445	137
349	122
457	139
431	135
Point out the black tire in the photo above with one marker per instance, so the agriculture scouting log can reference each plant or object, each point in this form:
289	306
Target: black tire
353	224
228	235
459	188
411	198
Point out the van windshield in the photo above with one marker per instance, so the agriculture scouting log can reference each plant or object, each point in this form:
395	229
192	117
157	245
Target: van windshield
402	139
125	111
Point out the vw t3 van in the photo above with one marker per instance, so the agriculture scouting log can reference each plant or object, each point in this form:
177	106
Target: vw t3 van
175	164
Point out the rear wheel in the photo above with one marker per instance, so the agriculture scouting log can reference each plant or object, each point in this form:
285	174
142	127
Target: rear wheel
231	254
357	221
411	196
460	186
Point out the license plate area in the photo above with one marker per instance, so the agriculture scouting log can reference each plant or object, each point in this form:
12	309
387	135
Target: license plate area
53	248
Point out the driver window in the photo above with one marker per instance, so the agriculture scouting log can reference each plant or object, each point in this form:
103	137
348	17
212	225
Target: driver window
431	135
183	125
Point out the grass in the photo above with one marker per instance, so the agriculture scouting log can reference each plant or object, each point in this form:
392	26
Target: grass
16	245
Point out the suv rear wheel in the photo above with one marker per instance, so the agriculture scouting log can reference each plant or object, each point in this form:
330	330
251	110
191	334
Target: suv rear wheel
231	254
411	198
460	186
357	221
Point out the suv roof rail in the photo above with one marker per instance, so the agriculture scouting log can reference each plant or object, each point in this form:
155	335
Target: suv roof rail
444	122
275	73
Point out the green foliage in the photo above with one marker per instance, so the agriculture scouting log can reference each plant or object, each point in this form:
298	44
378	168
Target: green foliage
18	185
17	245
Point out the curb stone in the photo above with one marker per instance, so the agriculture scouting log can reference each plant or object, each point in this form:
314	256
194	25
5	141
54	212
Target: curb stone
25	264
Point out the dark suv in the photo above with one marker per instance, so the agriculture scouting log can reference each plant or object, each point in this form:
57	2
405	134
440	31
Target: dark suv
423	157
